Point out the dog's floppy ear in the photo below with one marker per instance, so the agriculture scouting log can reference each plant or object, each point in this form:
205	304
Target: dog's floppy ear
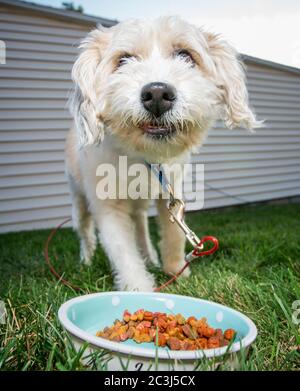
83	102
230	77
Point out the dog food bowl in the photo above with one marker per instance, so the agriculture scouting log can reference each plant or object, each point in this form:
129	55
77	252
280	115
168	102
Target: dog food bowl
83	316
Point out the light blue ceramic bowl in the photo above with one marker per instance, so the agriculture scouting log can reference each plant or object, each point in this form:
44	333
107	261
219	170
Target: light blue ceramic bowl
83	316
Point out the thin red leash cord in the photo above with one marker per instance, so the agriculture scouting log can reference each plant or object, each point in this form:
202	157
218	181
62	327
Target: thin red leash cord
47	258
196	253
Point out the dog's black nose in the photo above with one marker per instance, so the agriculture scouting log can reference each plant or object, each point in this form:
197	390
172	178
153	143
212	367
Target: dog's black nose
158	97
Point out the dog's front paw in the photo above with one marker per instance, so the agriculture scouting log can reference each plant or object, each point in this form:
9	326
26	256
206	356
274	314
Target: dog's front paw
174	268
138	284
86	256
87	250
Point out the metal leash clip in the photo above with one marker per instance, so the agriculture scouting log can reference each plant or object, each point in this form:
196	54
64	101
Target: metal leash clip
176	209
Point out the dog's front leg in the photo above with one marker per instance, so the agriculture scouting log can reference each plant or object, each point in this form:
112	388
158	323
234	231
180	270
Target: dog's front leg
147	250
117	235
172	242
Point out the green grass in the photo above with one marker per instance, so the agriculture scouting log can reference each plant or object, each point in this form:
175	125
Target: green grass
256	271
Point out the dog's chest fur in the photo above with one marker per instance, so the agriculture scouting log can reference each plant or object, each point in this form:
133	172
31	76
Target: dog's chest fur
133	178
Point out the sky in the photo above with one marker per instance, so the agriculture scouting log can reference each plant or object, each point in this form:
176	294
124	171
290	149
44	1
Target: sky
269	29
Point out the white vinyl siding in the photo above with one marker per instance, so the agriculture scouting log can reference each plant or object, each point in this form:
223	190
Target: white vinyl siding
243	166
34	85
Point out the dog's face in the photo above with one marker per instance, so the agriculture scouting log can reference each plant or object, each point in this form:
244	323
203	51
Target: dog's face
157	86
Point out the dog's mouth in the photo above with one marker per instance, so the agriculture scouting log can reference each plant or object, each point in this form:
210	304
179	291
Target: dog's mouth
157	131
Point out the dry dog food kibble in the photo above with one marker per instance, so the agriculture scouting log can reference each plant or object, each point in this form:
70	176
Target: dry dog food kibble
163	329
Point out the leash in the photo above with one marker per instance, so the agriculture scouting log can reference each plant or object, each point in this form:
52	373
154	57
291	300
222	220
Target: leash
176	208
47	258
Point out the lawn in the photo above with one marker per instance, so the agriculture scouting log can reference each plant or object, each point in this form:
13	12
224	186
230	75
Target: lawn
256	271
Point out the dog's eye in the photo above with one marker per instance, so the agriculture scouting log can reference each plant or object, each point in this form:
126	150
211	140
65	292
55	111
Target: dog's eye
123	59
185	55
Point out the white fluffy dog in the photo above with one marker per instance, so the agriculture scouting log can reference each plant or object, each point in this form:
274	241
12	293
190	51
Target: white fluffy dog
148	90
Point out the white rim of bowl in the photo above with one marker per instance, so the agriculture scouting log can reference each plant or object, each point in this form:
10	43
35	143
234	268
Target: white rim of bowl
116	347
